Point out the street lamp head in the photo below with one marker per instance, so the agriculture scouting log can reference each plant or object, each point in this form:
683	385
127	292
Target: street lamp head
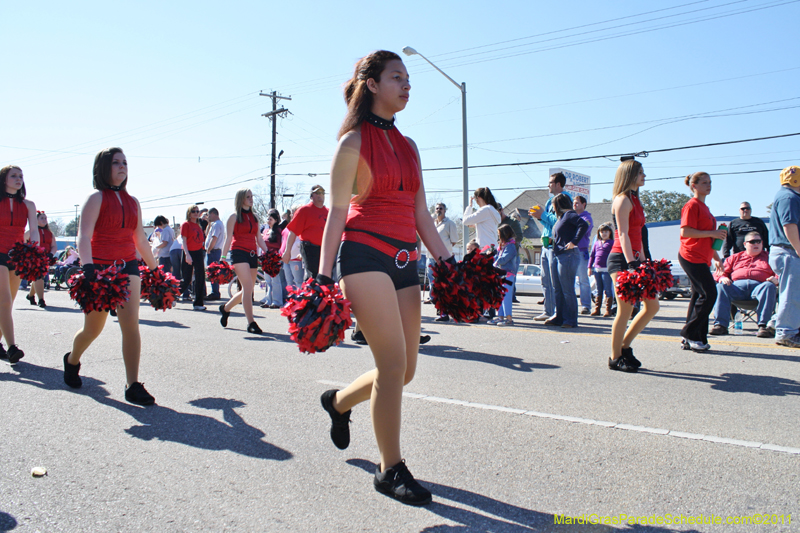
409	51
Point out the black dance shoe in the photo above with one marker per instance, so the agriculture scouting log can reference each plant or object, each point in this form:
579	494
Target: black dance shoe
225	315
398	483
627	353
42	304
14	354
71	376
340	422
621	364
137	394
31	298
253	328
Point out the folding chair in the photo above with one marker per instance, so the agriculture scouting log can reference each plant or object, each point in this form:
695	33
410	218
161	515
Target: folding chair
748	309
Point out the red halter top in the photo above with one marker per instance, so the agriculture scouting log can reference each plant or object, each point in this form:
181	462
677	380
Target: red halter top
244	233
45	239
635	223
112	239
387	182
12	223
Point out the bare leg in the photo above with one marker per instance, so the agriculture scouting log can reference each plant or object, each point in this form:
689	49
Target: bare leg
128	317
38	286
390	320
649	310
624	312
247	277
9	284
93	324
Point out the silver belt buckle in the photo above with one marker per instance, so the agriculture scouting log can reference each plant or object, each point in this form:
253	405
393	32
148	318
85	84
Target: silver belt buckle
397	257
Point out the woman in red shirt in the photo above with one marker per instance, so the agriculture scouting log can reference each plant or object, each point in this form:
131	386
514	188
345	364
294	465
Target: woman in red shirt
192	258
375	233
111	232
15	213
48	242
627	253
243	241
698	231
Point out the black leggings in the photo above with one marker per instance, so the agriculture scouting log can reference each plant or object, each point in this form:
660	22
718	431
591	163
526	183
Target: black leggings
199	275
704	296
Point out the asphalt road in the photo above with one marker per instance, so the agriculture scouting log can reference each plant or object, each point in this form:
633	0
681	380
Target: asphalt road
510	428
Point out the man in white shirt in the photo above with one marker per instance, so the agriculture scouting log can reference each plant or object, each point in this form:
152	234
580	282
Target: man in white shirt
215	239
448	231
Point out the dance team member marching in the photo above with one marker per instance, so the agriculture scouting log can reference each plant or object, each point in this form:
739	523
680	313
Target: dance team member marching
376	263
193	240
48	242
15	213
110	233
627	253
243	240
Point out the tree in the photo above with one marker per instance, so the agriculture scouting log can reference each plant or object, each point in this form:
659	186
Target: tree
56	226
71	229
662	206
286	196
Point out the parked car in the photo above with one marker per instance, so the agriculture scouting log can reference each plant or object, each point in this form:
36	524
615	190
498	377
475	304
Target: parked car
681	287
529	279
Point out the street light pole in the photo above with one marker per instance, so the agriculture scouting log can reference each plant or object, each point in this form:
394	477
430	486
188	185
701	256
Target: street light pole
465	185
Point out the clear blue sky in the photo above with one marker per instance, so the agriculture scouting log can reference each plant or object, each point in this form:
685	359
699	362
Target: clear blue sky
176	85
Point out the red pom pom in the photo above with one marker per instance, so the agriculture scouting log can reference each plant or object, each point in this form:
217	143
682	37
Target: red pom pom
29	261
318	316
645	282
271	263
159	288
464	291
109	289
220	273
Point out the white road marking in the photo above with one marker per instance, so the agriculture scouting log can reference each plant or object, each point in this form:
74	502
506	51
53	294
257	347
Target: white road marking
588	421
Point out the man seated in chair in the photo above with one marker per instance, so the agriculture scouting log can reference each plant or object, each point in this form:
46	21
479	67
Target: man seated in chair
746	276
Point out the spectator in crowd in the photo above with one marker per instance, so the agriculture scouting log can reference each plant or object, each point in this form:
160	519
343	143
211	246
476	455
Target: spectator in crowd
567	233
472	246
485	219
508	260
513	222
784	256
215	240
166	240
285	219
192	259
547	216
740	227
293	268
746	276
203	220
598	259
175	252
448	231
698	232
579	205
308	223
272	237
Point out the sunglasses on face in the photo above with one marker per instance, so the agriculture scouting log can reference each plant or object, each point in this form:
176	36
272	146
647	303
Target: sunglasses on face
744	209
754	241
195	211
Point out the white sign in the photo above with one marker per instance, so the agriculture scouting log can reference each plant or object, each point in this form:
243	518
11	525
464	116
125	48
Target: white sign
577	184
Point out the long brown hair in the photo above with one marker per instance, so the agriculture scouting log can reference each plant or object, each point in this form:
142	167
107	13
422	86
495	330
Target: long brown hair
356	94
20	195
626	175
485	194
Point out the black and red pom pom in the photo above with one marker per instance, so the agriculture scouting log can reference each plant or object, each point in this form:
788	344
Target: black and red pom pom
220	272
29	261
644	283
466	290
159	288
271	263
318	316
105	292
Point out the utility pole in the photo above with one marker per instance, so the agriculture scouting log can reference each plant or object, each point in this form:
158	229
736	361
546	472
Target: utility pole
273	115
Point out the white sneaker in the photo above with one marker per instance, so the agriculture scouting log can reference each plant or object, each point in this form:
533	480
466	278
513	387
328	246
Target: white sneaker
542	317
697	346
494	321
199	307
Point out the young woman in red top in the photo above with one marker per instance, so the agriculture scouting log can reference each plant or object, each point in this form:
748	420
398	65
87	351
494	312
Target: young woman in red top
375	234
15	213
111	232
627	253
48	242
698	231
192	259
243	240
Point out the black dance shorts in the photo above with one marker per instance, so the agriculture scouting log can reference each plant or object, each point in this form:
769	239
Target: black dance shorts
4	260
616	263
355	258
240	256
130	268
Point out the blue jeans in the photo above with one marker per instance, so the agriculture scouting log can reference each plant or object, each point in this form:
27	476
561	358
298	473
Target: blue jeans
505	307
786	265
213	257
547	282
583	279
744	289
604	284
166	262
562	272
294	273
274	291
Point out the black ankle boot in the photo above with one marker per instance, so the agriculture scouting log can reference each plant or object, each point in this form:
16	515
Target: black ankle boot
71	376
253	328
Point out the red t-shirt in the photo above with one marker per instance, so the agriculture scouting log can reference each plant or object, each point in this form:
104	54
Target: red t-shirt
695	214
309	223
244	233
192	235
